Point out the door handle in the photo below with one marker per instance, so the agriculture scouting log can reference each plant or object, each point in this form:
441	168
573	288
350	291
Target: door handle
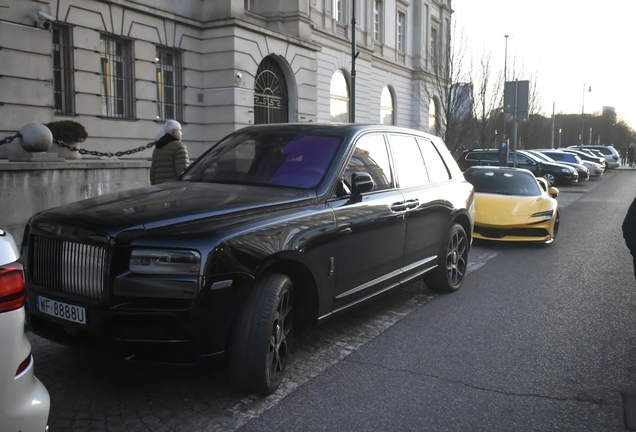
398	207
411	204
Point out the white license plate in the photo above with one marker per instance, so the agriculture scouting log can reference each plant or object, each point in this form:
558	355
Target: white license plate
61	310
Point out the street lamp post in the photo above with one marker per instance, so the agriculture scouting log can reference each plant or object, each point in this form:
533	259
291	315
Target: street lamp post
583	115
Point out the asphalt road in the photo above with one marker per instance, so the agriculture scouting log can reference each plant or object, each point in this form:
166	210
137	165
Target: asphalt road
540	337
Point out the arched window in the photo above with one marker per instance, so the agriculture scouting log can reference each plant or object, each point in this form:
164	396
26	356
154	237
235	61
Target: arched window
432	117
386	107
270	94
339	98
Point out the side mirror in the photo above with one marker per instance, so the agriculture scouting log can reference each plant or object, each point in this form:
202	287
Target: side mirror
553	192
361	182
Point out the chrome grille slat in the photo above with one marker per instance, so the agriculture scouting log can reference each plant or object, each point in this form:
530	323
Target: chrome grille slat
69	267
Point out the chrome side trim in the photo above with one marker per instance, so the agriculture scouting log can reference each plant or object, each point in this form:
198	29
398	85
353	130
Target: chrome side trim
370	283
418	274
419	263
390	275
360	300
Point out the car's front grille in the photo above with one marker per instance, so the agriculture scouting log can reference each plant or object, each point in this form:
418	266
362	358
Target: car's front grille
69	267
516	232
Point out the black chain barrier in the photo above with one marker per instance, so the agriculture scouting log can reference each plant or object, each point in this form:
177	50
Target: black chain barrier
108	154
8	140
81	151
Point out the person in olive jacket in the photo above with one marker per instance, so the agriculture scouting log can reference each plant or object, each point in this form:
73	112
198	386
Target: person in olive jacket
170	156
629	231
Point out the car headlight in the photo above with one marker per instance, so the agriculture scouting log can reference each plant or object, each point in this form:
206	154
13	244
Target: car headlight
546	215
566	170
165	262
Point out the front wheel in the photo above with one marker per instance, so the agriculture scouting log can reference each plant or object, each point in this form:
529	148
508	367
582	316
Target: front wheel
453	262
550	179
261	340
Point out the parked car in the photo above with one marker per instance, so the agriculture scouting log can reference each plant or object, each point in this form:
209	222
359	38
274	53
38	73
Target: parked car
275	227
24	401
512	205
597	169
566	159
612	158
554	173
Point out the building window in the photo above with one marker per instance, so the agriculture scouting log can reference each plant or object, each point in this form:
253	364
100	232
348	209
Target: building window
63	93
339	98
117	77
386	107
400	31
434	44
247	4
337	10
270	94
377	20
169	85
432	117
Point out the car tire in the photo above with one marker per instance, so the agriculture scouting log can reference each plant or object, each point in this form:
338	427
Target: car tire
453	261
550	179
262	336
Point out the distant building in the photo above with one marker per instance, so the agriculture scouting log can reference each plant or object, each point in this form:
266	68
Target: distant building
462	100
121	68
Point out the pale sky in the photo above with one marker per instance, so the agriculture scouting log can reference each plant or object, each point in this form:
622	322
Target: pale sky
566	44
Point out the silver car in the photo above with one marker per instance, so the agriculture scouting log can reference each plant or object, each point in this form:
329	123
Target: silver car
612	158
24	401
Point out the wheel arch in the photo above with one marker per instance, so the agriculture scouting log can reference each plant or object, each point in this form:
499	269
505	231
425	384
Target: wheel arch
464	220
304	282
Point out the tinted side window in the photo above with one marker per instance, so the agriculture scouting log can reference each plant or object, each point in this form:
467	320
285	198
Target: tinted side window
409	163
490	156
556	156
521	159
371	156
436	167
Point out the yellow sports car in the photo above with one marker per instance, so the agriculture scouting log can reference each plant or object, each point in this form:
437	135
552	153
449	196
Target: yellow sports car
511	204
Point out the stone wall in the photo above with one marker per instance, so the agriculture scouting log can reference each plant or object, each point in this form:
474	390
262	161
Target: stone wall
27	188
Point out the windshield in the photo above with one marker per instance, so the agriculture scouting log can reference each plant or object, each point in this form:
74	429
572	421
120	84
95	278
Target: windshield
503	182
267	158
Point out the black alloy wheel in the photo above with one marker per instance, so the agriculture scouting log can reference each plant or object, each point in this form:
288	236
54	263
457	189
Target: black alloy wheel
262	336
453	262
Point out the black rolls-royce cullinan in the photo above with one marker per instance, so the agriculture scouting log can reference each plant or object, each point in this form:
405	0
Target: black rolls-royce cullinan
273	228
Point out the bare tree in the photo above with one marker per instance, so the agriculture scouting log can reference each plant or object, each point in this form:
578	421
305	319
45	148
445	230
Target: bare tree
488	102
449	91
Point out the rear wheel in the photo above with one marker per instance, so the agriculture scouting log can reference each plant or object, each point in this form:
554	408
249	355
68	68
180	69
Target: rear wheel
453	261
261	339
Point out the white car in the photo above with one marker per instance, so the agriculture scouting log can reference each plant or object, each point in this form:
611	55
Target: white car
24	401
610	154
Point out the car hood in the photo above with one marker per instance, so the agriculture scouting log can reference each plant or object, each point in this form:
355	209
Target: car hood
493	209
169	203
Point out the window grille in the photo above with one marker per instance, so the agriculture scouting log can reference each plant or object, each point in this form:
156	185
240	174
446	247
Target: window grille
63	91
117	77
169	84
270	94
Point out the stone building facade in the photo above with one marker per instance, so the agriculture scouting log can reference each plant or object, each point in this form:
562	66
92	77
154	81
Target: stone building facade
122	67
